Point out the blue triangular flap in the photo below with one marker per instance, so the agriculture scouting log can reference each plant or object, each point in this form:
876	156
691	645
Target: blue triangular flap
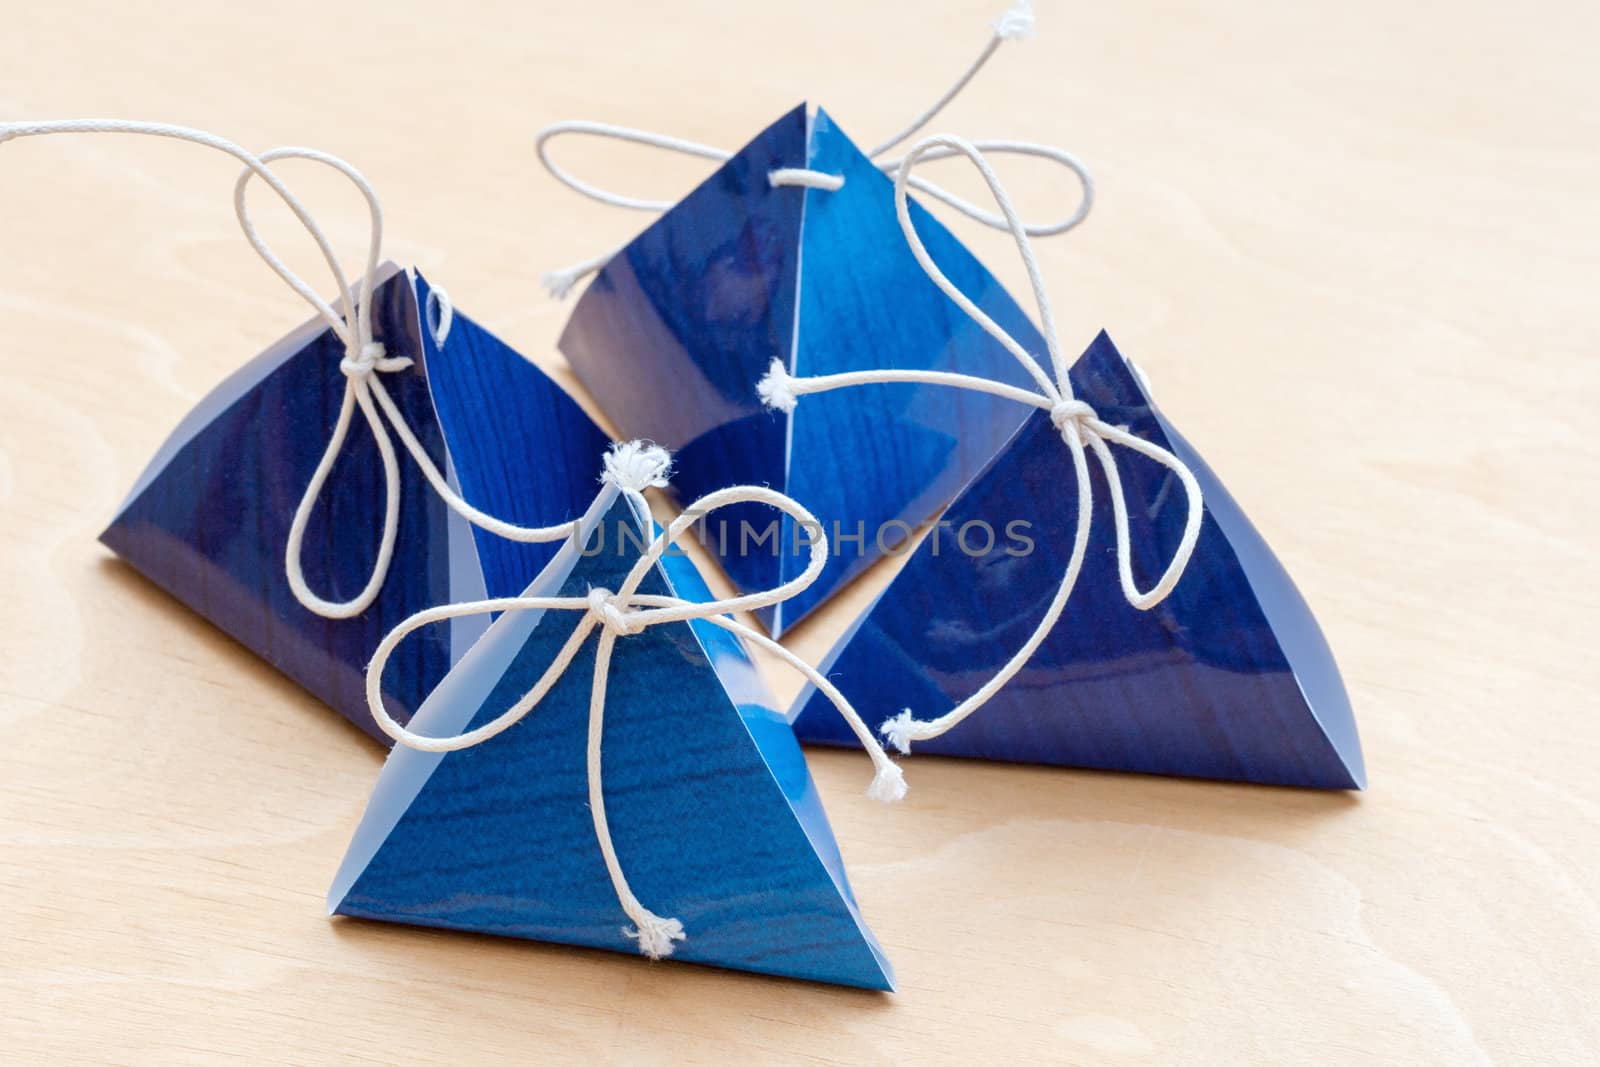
1230	677
864	460
523	449
673	334
713	815
209	519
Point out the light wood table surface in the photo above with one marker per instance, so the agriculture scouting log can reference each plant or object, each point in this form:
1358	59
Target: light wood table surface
1356	247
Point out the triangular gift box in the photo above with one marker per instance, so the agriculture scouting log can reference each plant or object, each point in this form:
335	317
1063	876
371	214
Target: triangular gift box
209	518
711	809
675	331
1229	677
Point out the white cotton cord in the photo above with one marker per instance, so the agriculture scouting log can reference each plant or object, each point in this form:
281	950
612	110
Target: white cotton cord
655	934
782	391
14	130
889	782
365	386
618	133
777	389
634	466
362	357
1081	429
560	283
625	613
1016	23
1079	170
899	731
1060	386
441	314
364	361
805	179
356	370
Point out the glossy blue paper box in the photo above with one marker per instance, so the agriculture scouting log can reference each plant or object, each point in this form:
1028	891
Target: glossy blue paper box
712	811
1229	677
673	334
209	518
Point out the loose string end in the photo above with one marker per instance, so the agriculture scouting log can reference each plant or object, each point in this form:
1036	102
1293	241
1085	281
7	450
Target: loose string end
1016	24
776	390
900	731
888	785
634	466
560	283
655	935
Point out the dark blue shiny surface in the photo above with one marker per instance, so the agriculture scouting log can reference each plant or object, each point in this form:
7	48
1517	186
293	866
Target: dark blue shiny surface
712	812
209	521
673	334
1230	677
522	449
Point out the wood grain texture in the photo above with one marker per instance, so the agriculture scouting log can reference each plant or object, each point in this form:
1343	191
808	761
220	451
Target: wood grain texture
1355	247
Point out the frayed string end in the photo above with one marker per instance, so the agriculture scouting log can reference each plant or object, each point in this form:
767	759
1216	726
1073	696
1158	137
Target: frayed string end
888	785
900	731
776	390
635	466
560	283
656	934
1017	23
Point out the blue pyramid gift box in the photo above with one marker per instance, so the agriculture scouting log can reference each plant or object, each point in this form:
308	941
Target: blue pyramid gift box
1229	677
676	329
209	519
706	795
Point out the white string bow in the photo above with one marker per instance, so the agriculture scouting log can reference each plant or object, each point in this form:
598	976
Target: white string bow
1078	423
1016	23
625	613
365	359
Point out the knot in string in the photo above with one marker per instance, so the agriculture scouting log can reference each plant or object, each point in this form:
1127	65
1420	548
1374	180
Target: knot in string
655	934
364	360
1074	413
371	356
616	618
625	613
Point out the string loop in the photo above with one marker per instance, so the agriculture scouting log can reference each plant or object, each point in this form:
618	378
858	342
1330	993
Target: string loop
1016	23
1081	428
618	615
364	362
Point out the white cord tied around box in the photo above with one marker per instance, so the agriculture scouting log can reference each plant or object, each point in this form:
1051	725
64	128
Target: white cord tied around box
1016	23
1079	425
632	467
365	360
